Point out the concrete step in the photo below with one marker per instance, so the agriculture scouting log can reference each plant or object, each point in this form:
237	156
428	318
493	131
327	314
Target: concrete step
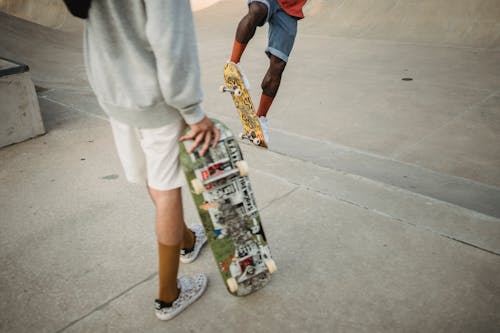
445	205
459	191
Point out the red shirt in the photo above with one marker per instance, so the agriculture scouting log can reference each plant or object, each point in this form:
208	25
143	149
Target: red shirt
293	7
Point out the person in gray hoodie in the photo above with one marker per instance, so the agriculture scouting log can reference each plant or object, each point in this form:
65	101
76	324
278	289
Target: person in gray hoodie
142	63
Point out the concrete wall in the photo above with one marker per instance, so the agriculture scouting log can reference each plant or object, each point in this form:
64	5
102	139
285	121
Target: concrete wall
464	23
20	117
50	13
53	13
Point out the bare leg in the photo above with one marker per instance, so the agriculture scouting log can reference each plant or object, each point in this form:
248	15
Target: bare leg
256	17
272	79
270	84
187	235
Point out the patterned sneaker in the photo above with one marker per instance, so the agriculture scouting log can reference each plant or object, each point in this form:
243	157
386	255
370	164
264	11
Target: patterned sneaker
189	255
264	124
191	289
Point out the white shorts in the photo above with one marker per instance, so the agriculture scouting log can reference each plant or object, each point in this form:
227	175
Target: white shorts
150	155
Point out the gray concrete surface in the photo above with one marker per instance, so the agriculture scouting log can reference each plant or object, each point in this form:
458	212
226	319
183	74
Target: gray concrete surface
379	196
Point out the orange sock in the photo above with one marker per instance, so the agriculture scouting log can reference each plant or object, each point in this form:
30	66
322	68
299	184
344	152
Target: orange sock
238	49
264	105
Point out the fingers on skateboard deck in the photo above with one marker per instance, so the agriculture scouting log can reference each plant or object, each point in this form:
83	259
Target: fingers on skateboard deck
226	205
233	83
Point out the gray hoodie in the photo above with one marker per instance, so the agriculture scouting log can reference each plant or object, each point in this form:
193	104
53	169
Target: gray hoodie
142	61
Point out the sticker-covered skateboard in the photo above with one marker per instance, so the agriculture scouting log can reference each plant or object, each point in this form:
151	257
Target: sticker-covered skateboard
226	205
233	83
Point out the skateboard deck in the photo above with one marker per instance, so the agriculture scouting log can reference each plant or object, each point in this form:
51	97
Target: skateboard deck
233	83
223	196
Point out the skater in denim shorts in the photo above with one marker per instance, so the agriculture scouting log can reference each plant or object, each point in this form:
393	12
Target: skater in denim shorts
282	17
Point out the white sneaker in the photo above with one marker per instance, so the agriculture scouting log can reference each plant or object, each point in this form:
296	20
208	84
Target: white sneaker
190	255
243	76
264	124
191	289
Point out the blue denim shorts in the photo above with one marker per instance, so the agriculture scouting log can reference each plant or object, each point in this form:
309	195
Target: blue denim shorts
282	30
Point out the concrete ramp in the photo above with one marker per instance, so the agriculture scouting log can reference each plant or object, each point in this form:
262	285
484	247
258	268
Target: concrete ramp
49	13
54	56
465	23
53	13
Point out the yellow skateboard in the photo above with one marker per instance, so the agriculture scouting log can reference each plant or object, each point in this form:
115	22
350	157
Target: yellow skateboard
233	83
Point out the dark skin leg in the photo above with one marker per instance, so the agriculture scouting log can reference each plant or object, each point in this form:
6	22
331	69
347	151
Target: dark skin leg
272	79
256	17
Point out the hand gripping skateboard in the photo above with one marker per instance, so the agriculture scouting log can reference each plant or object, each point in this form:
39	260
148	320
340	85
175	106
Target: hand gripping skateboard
226	205
233	83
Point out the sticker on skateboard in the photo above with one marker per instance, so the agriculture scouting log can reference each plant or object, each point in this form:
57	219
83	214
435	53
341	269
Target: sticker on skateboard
223	196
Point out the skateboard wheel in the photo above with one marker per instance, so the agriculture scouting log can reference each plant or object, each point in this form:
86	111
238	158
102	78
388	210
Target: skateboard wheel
241	136
271	266
222	89
237	92
197	185
242	168
232	284
256	141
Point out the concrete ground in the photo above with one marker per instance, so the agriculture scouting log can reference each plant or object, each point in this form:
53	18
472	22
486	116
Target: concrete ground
380	197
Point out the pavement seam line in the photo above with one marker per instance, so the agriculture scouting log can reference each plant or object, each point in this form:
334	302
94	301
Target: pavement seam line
402	221
438	233
74	108
44	94
341	148
109	301
385	186
287	194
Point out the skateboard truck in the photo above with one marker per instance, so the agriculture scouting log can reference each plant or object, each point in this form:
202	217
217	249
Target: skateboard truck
234	90
250	137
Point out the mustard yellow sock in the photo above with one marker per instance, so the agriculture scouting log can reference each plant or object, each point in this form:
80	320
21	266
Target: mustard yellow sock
168	268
